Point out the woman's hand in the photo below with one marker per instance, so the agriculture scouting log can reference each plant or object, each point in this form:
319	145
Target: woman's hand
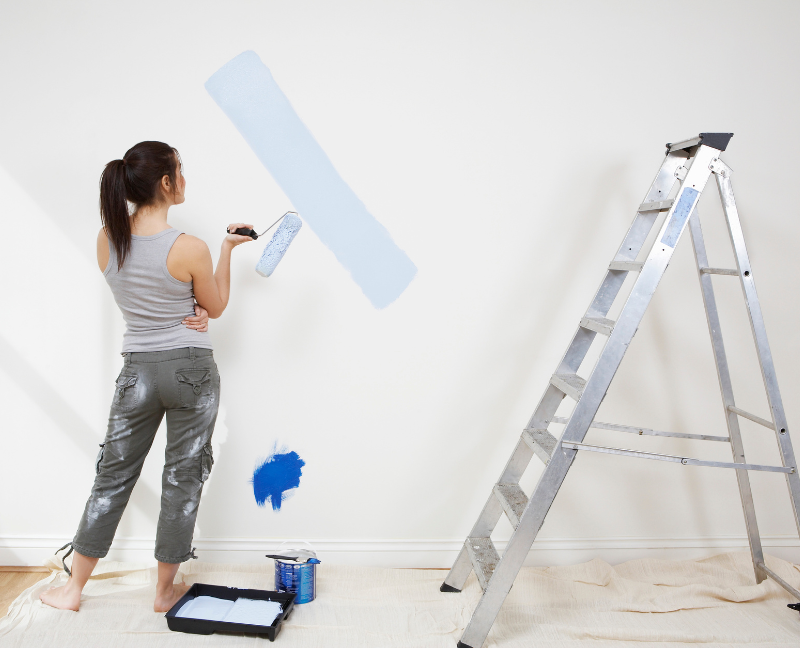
200	320
237	239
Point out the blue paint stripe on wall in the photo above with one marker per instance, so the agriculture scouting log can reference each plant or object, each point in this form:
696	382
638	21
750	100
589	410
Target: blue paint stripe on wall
247	93
680	216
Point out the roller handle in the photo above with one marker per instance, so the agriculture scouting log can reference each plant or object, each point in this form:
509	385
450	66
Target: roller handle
245	231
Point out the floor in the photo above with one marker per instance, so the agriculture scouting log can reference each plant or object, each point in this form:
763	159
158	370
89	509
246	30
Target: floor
647	603
15	580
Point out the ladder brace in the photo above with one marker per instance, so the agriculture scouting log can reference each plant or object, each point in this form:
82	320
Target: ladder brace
686	461
779	580
753	417
641	431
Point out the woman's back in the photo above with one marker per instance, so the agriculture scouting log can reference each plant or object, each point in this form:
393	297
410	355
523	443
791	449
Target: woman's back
153	302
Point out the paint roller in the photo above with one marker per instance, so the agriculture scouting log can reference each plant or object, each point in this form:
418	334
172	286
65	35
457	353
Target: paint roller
278	244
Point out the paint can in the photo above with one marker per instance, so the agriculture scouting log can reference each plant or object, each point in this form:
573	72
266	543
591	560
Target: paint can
299	578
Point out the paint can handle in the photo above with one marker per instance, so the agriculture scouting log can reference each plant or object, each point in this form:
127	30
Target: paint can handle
293	546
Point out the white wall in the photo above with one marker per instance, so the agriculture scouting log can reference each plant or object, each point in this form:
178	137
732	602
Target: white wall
505	145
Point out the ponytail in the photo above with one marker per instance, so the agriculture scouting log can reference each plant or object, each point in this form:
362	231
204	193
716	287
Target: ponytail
114	209
136	179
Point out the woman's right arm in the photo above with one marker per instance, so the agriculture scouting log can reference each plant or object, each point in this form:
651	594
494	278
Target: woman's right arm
102	250
211	289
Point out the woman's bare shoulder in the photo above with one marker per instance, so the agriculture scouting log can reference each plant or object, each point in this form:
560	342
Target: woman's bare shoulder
188	256
190	246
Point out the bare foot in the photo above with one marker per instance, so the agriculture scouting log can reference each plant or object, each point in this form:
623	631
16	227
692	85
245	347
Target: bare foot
165	600
63	598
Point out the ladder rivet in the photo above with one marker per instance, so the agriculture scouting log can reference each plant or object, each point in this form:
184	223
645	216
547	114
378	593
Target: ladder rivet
783	430
746	273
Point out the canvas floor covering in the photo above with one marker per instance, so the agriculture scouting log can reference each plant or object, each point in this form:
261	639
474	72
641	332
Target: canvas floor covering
639	603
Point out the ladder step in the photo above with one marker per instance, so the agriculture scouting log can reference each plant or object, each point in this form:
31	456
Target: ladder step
571	384
484	558
541	442
513	500
658	205
720	271
601	325
626	266
686	461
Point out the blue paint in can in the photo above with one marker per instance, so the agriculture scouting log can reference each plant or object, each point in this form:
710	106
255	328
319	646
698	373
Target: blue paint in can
297	578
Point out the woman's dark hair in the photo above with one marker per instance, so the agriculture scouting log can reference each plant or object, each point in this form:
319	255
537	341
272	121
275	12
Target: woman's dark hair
136	178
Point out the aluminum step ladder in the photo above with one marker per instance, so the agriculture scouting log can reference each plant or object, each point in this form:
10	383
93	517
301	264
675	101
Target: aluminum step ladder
684	172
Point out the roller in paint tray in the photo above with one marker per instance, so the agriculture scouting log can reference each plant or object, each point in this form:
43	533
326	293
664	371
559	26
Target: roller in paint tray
278	244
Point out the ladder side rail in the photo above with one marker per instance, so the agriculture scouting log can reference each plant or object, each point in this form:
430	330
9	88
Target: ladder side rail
609	289
459	572
553	476
487	520
516	551
722	173
659	189
637	234
492	510
726	391
576	352
631	316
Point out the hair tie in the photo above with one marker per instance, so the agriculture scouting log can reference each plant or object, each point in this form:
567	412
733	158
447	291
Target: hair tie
124	162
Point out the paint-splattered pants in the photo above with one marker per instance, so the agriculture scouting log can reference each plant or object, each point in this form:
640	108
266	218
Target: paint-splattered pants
183	384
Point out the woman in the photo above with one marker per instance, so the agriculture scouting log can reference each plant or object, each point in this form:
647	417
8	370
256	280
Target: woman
155	273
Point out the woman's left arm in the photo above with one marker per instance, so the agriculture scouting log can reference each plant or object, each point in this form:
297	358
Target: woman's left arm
200	320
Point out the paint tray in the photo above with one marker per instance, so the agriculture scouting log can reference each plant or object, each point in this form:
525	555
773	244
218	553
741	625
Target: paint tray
205	627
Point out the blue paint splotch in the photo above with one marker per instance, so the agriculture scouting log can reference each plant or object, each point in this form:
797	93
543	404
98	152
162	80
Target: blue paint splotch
253	101
274	476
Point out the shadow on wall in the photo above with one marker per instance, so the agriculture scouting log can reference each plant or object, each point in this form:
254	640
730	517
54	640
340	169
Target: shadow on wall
577	231
664	353
67	419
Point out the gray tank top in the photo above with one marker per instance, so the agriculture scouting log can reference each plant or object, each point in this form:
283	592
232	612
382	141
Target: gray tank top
152	301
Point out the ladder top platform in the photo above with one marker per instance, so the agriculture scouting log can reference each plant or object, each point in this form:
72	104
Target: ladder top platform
714	140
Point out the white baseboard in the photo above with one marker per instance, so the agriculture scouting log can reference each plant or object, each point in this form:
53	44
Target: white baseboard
31	551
